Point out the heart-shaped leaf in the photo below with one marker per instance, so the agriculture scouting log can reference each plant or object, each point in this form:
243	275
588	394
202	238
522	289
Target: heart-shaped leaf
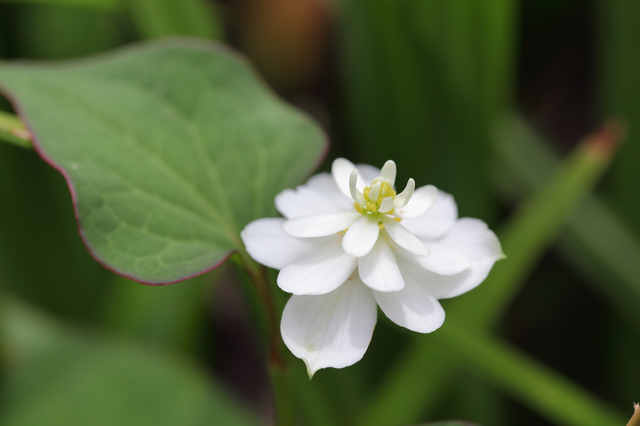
169	148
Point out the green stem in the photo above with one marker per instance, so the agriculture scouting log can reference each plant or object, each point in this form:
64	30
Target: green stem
276	362
13	131
525	379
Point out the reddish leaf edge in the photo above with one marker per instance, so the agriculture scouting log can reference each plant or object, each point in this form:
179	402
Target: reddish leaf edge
187	42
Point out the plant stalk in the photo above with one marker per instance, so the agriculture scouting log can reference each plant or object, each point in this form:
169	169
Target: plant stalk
13	131
278	371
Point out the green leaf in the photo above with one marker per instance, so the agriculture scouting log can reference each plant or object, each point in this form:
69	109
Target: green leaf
170	148
59	375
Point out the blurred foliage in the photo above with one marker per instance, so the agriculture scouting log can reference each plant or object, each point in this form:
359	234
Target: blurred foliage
434	86
448	423
56	375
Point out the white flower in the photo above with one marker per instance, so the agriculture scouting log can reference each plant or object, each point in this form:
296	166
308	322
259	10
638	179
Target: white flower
343	247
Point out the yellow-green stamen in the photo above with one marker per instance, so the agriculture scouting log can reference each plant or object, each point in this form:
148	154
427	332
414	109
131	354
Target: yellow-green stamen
372	206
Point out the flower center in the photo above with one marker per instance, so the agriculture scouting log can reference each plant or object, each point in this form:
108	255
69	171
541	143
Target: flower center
375	196
379	198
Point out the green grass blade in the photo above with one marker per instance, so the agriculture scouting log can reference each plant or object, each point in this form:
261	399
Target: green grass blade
415	384
425	76
526	380
538	224
525	238
600	246
106	5
158	18
620	89
64	32
13	131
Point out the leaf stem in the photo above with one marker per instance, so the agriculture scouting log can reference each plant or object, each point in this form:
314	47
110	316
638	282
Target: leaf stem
13	131
278	370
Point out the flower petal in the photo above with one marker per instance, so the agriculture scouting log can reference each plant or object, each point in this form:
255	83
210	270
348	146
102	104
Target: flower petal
437	221
379	269
326	185
443	259
474	239
404	238
374	193
304	201
332	330
368	172
386	205
421	201
319	226
445	286
341	170
356	194
405	196
388	172
319	272
268	244
361	236
412	308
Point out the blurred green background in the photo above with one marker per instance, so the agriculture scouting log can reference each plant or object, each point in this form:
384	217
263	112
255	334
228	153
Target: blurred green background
485	99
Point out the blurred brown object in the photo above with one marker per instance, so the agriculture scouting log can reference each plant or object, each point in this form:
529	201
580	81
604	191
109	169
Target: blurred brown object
635	419
286	39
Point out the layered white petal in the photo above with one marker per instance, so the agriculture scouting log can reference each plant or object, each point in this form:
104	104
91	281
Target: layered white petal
305	201
374	193
412	307
361	236
332	330
379	269
437	221
268	244
404	197
422	200
341	170
388	172
319	226
356	194
368	172
337	279
474	239
404	238
319	272
445	286
386	205
443	259
325	184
